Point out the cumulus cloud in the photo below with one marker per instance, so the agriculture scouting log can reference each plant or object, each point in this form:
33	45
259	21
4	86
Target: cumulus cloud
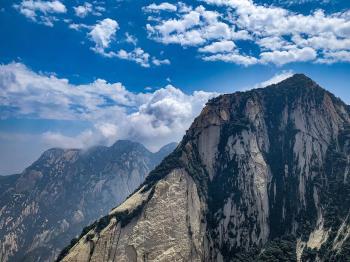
79	26
233	57
336	56
159	62
218	47
41	11
86	9
83	10
194	28
113	112
287	56
280	36
138	55
103	33
46	96
299	2
161	7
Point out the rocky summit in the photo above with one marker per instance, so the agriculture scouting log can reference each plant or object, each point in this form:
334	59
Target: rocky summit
261	175
52	200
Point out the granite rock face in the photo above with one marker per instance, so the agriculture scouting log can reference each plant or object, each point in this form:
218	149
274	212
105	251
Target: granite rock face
52	200
261	175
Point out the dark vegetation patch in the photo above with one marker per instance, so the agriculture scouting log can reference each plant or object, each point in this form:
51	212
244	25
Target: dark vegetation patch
169	163
336	196
282	246
279	250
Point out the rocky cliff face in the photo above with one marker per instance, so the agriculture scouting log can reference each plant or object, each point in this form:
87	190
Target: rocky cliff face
259	176
49	203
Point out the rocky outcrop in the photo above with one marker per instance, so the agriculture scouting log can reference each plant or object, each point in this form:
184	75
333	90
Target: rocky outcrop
259	176
50	202
175	199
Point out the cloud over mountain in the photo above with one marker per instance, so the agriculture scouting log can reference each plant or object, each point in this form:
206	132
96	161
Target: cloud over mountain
112	111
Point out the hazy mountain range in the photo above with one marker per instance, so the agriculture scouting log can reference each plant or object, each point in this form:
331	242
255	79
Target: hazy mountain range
261	175
48	204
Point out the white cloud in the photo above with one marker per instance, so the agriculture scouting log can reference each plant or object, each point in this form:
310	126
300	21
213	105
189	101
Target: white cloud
192	29
233	57
171	30
280	36
130	39
100	8
83	10
137	55
113	112
334	57
159	62
41	11
86	9
288	56
56	139
79	27
218	47
30	7
272	43
324	41
299	2
279	77
46	96
103	33
183	8
161	7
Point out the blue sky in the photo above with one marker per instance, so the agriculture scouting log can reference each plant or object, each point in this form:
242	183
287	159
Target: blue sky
79	73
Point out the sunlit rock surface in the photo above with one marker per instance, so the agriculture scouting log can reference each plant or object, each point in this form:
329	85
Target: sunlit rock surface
64	190
261	175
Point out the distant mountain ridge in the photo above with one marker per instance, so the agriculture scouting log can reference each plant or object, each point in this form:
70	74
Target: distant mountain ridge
261	175
50	202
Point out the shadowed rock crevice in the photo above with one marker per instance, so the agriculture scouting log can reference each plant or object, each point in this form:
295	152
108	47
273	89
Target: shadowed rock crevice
267	171
63	191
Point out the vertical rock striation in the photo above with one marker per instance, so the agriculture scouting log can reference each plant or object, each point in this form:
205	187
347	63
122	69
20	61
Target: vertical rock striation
50	202
261	175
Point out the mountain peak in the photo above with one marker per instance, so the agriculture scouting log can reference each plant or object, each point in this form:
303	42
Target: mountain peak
168	147
124	146
64	190
300	77
258	172
300	80
298	85
125	143
55	153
